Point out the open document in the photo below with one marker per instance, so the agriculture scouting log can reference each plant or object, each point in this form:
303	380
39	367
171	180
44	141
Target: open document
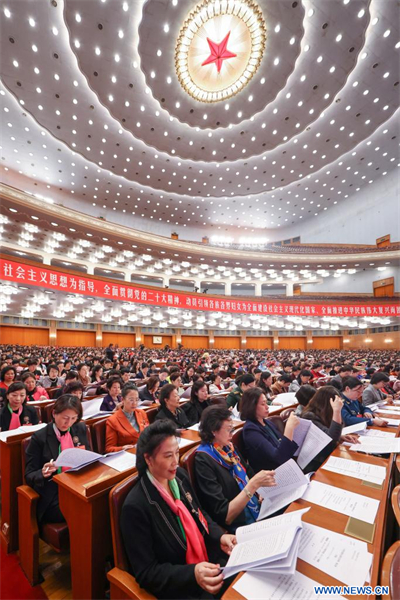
91	408
269	546
291	484
311	440
254	586
342	501
354	468
77	458
377	445
356	428
23	429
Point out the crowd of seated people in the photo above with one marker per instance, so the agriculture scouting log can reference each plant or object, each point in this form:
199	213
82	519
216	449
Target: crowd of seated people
333	389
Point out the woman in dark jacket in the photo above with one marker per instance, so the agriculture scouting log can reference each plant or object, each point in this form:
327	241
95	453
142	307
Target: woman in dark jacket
266	447
169	400
63	432
265	384
173	546
225	483
149	392
16	411
197	403
188	375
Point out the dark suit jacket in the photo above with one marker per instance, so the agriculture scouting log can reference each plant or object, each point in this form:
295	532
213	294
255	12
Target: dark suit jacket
180	418
216	487
145	395
28	416
194	410
154	543
264	449
43	447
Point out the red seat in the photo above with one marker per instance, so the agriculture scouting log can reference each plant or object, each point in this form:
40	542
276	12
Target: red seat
396	503
187	462
237	441
278	422
99	436
122	583
390	572
151	414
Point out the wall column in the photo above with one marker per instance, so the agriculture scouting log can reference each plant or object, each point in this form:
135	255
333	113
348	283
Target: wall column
99	335
275	342
258	288
211	338
90	269
243	340
53	333
46	259
289	289
310	340
139	337
228	288
127	276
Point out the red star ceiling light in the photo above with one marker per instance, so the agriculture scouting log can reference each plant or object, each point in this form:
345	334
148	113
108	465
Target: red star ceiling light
207	69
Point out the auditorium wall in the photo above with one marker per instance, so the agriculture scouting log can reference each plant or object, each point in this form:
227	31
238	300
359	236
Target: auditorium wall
195	341
123	340
260	343
75	338
26	336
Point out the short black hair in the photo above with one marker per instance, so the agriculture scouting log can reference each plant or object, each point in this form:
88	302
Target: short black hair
16	387
5	370
166	390
378	377
248	403
151	438
304	394
346	368
111	381
246	379
211	420
68	402
351	382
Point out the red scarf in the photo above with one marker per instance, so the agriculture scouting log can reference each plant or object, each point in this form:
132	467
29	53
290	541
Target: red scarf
65	442
15	422
196	551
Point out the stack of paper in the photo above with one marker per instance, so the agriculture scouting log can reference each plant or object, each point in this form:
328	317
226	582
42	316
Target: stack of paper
91	408
311	440
377	445
342	501
291	484
24	429
77	458
377	433
269	546
356	428
356	469
392	410
392	422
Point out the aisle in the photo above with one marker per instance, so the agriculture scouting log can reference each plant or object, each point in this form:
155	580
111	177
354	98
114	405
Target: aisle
13	583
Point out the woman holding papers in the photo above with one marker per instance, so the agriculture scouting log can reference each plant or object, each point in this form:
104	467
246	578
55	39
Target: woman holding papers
125	425
197	403
225	483
16	411
169	400
173	547
63	432
148	393
266	447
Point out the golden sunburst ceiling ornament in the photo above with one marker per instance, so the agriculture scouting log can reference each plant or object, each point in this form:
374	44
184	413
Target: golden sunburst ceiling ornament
219	48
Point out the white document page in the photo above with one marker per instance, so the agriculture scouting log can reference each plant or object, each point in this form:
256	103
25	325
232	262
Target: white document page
76	458
377	445
377	433
36	402
262	586
315	441
357	428
120	461
393	422
356	469
389	411
286	564
262	528
342	557
271	505
287	477
183	442
23	429
194	427
342	501
299	434
91	407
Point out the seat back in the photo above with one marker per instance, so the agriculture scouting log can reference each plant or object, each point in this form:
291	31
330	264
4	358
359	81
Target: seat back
186	393
48	413
396	503
117	498
187	462
24	446
237	441
390	572
151	414
39	413
218	400
99	436
284	415
278	422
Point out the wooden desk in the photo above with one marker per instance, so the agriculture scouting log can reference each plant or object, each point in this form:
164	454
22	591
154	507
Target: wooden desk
11	478
333	521
42	405
83	498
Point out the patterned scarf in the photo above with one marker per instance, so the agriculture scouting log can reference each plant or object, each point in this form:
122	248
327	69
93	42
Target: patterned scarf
227	457
196	549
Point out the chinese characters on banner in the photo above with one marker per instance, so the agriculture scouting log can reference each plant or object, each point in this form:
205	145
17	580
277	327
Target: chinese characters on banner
46	278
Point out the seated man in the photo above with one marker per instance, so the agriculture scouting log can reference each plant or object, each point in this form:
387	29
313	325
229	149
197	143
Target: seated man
353	411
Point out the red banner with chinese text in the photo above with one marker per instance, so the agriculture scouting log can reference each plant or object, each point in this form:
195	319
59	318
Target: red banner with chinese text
45	278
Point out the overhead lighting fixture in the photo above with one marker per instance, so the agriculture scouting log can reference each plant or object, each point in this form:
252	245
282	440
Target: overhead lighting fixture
219	48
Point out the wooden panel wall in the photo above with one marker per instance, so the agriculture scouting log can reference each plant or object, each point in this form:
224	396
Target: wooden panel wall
227	343
148	341
124	340
195	341
292	343
260	343
326	343
377	343
76	338
26	336
384	291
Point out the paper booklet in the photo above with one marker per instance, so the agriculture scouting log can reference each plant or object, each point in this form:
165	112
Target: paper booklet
269	546
291	484
311	440
91	408
23	429
354	468
77	458
377	445
356	428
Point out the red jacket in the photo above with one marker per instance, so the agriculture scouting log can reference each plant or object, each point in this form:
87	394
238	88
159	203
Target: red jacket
120	433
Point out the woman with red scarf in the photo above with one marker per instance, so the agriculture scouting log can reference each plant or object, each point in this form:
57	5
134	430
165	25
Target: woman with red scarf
63	432
16	411
173	547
